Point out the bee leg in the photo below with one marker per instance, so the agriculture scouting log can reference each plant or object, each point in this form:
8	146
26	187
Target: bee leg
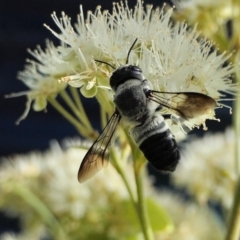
177	121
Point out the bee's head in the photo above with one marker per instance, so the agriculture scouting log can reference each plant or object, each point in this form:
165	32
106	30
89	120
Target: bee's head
125	73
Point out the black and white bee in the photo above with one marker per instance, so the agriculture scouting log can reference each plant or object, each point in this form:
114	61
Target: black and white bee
138	105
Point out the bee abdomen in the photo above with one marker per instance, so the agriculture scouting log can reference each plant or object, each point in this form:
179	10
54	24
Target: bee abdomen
161	151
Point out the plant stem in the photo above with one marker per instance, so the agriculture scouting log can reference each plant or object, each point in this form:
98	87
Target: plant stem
233	231
38	205
80	108
72	106
68	116
140	203
70	103
123	176
237	132
103	100
103	117
234	223
142	208
139	164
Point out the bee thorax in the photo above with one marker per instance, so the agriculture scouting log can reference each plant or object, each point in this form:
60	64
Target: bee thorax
131	103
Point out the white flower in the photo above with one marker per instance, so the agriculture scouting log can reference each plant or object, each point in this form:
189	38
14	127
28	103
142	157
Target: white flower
171	57
77	198
58	170
41	77
11	236
51	177
22	236
207	168
95	207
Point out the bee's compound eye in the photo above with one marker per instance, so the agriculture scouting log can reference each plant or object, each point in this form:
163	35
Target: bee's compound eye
135	68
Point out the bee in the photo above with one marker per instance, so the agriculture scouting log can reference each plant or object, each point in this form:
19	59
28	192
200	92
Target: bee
138	105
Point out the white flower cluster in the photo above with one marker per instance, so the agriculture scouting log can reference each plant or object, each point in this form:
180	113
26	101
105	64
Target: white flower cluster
171	57
41	77
207	169
96	208
42	168
51	178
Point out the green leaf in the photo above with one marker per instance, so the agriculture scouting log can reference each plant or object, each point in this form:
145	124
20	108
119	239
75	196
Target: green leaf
135	237
159	219
130	215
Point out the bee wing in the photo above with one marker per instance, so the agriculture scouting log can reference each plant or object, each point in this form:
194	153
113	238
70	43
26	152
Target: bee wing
185	104
97	156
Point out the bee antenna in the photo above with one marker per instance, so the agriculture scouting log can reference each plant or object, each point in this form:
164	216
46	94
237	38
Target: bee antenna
105	63
131	50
